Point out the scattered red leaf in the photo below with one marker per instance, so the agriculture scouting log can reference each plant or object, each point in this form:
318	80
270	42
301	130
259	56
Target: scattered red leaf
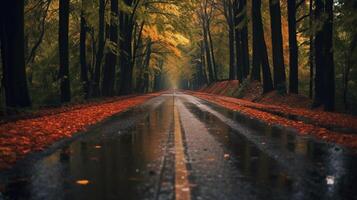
18	138
322	125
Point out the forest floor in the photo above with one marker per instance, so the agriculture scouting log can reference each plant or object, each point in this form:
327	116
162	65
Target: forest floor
289	111
26	133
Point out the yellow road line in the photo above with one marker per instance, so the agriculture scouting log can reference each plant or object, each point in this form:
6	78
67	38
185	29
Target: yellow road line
182	186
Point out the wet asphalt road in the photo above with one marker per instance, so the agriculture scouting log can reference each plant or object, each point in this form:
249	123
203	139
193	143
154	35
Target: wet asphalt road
178	146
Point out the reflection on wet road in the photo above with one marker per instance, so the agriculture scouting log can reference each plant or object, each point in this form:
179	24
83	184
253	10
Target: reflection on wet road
177	146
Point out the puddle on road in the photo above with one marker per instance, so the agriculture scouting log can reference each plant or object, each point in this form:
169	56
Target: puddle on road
110	162
304	169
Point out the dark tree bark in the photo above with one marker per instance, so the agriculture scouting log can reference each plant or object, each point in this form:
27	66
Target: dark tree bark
158	77
325	73
126	22
256	60
260	55
238	40
83	60
329	77
214	66
203	62
244	40
293	76
146	66
208	55
311	49
231	36
241	32
277	41
63	51
137	42
13	53
110	57
100	51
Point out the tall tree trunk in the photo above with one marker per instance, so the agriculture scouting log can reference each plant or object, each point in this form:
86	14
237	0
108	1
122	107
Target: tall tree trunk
137	43
214	66
208	54
203	62
63	51
329	78
237	31
260	53
244	40
139	64
158	77
231	36
126	22
146	67
256	60
293	76
311	49
127	68
100	51
83	60
13	53
277	41
319	56
325	75
111	58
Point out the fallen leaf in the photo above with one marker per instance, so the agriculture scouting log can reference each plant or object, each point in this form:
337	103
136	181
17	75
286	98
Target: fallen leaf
82	182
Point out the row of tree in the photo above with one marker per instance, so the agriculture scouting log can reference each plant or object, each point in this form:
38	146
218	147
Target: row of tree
84	49
253	61
121	43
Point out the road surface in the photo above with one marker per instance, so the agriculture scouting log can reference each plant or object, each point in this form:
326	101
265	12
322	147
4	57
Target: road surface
179	147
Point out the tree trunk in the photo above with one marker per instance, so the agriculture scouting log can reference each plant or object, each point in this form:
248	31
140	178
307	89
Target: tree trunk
256	72
329	78
83	60
13	53
126	65
261	53
146	67
100	51
293	76
311	50
325	74
214	66
63	51
244	40
277	41
203	62
158	77
237	36
232	64
208	54
111	58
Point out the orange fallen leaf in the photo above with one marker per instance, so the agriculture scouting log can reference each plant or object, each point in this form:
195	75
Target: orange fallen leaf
82	182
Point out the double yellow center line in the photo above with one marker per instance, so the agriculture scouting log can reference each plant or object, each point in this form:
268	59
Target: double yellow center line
182	186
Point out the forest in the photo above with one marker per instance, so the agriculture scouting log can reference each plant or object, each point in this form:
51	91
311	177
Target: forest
178	99
58	51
